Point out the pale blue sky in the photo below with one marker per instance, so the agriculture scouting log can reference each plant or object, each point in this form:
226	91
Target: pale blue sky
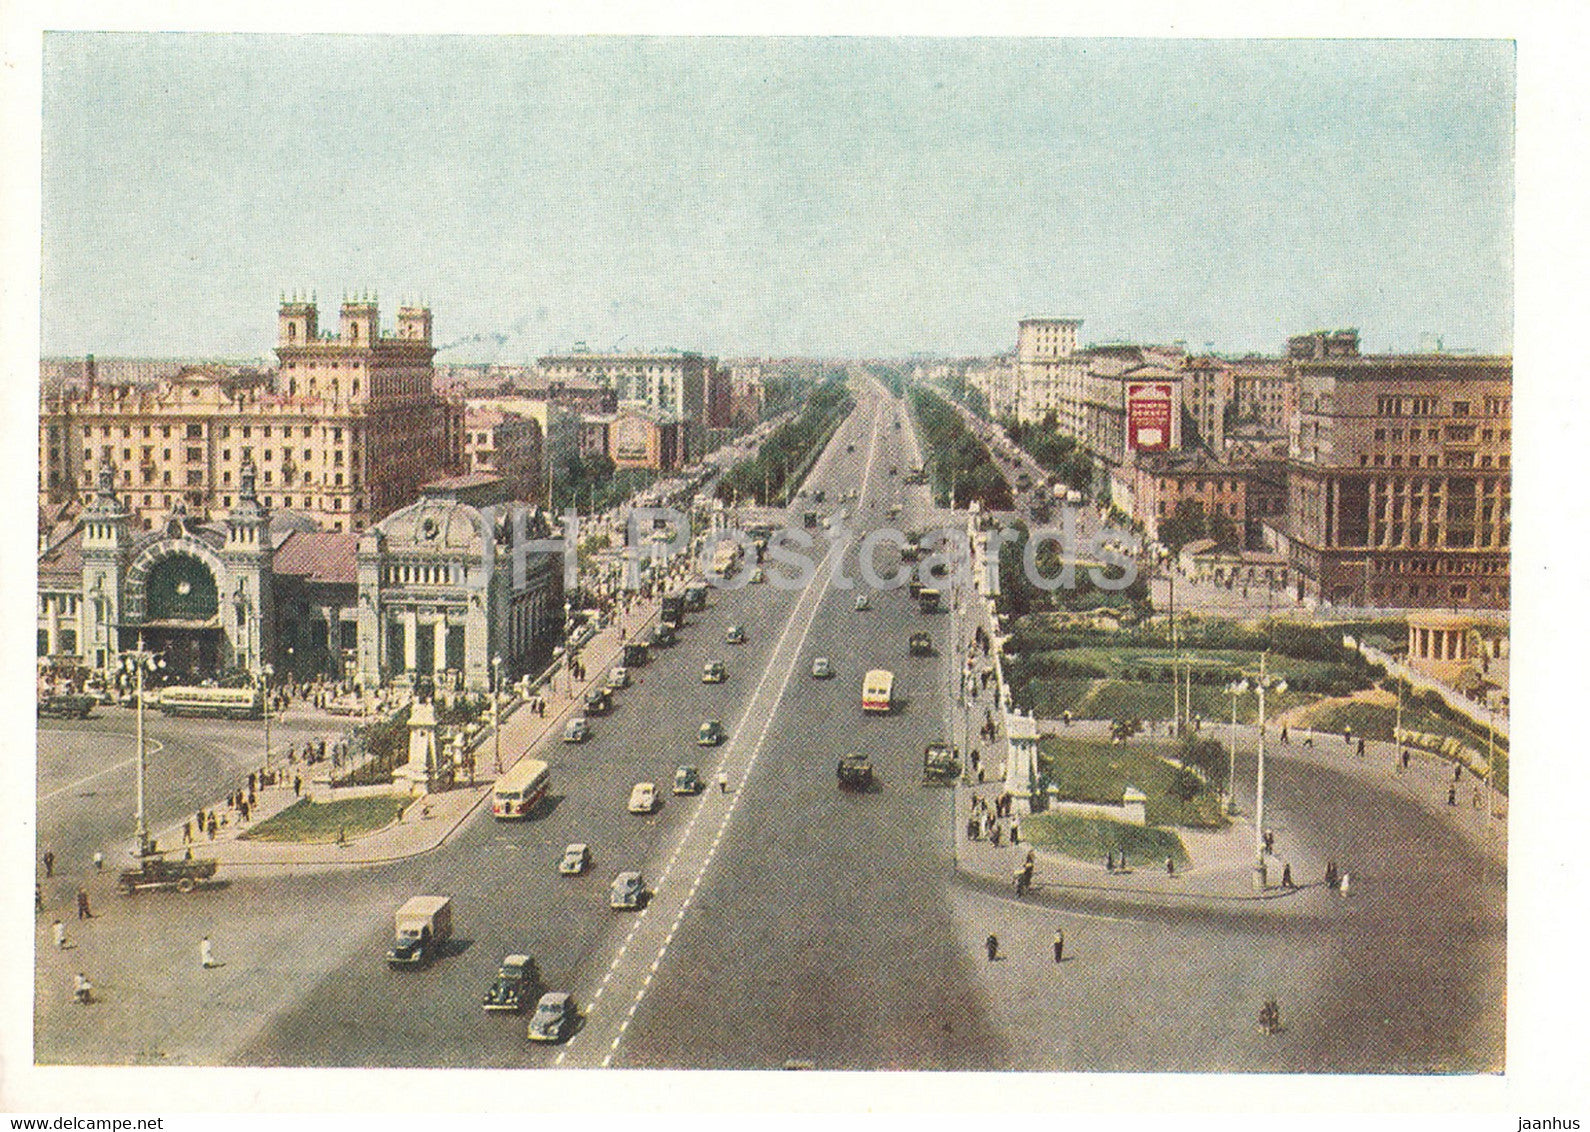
752	196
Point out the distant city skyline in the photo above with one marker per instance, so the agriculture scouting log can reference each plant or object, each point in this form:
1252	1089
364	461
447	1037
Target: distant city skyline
820	197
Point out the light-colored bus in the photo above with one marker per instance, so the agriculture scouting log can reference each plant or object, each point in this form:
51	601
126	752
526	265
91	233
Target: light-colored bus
877	691
233	703
521	789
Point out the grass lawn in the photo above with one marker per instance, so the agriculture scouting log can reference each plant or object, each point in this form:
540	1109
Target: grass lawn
1128	699
1227	662
1376	721
1090	839
1091	771
312	822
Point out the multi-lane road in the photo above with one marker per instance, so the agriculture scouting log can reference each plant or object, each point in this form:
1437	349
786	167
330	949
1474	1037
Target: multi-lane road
792	922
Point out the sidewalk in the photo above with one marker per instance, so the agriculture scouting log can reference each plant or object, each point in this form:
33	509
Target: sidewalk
429	819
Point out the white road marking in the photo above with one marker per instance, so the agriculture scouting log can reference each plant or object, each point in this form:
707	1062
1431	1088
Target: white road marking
788	665
151	747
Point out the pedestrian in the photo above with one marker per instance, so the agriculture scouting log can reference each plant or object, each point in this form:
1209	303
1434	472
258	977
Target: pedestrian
1284	741
1015	827
997	835
1308	740
187	833
210	827
298	785
1406	758
1457	773
58	930
1451	796
206	953
1360	747
99	861
1286	876
991	945
723	782
82	905
1170	866
1059	945
49	863
1109	861
1330	875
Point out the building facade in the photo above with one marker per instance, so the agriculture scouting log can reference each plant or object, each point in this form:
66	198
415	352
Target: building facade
346	429
507	445
677	384
437	588
1400	478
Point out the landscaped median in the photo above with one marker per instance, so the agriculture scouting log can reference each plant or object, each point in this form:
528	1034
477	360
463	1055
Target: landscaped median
1083	777
308	822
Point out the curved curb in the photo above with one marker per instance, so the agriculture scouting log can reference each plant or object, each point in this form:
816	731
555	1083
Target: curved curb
1151	903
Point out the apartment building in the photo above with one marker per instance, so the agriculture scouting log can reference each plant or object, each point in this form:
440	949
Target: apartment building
1400	478
346	429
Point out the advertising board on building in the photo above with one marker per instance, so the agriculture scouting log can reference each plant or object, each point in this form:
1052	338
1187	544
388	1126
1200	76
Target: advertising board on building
1148	415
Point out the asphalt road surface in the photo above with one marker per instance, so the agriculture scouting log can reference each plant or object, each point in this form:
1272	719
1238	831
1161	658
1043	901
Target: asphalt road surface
791	921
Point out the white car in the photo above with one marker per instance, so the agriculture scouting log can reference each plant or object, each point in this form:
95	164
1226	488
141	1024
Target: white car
629	891
862	603
618	678
576	858
576	730
643	798
821	668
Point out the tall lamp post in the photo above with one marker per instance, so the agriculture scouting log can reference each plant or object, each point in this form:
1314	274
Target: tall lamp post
136	662
1264	683
496	720
265	674
1236	688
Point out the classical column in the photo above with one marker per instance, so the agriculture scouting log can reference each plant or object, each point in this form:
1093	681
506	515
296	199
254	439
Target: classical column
411	630
439	647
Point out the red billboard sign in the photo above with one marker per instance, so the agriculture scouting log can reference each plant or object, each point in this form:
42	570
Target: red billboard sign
1149	405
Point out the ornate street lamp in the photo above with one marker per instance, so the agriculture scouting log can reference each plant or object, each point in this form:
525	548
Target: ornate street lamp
135	662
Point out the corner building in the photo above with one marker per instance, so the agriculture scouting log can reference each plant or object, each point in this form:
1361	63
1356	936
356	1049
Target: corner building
345	430
1400	491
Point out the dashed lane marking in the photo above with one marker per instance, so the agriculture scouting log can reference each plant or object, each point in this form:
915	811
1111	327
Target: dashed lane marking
775	664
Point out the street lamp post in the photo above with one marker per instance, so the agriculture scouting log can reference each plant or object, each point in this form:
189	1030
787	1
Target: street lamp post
1260	879
496	720
138	661
265	674
1236	688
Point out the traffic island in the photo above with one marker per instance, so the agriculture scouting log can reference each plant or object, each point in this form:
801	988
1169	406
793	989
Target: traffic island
308	822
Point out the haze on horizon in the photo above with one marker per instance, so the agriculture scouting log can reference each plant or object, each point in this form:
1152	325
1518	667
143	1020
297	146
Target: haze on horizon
856	197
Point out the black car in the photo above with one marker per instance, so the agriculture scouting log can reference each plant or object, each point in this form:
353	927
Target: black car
921	644
855	772
515	985
598	702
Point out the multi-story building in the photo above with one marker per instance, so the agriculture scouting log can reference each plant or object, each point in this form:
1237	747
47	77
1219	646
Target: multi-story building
1264	393
1163	480
1050	376
1400	489
506	445
634	438
1209	386
436	589
675	383
346	429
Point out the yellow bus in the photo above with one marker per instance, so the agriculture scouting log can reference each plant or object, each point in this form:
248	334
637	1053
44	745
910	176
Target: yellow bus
519	791
877	691
234	703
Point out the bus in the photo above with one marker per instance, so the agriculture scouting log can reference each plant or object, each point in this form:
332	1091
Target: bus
877	691
230	703
520	791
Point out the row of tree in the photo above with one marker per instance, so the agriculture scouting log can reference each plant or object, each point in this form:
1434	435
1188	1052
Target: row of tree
783	457
1059	455
957	462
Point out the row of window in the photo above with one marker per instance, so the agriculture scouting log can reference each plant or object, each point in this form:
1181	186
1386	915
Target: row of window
1453	432
196	431
1452	460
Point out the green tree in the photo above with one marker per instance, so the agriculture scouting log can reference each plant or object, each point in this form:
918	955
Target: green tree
1186	525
